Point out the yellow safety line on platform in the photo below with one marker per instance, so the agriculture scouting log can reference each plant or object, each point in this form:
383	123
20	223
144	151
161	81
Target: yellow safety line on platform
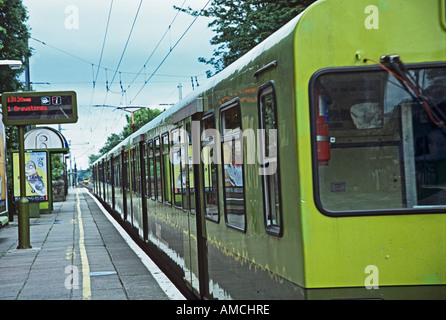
86	288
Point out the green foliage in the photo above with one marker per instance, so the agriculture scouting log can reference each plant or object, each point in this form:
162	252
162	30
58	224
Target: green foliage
242	24
13	41
57	167
92	158
141	117
14	35
112	141
83	174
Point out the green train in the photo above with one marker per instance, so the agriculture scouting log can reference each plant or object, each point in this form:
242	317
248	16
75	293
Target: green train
314	167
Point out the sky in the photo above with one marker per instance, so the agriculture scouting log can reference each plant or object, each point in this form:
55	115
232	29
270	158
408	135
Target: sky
67	41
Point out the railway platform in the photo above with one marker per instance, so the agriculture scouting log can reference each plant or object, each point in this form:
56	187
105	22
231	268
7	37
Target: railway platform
78	253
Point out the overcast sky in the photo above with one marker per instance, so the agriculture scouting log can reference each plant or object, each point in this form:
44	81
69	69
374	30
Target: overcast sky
78	27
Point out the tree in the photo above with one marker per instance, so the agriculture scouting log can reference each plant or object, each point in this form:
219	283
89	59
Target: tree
141	117
242	24
14	35
92	158
57	166
112	141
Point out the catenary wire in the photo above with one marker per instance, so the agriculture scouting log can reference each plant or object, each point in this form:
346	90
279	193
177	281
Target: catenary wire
127	42
156	47
170	51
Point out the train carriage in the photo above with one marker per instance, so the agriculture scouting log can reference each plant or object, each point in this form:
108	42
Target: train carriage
314	167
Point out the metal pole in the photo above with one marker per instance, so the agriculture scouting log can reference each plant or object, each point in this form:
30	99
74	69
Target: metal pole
24	242
180	91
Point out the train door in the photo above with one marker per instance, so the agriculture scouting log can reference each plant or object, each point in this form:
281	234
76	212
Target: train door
187	177
190	240
103	179
194	243
124	179
144	188
112	182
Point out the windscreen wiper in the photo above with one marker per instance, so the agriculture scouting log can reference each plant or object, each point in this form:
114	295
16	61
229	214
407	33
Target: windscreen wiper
394	66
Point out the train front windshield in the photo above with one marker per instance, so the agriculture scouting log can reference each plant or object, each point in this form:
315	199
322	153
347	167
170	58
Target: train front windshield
379	144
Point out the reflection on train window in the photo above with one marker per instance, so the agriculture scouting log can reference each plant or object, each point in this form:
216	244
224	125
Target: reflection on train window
232	153
166	169
126	177
132	170
184	177
136	173
190	167
144	174
379	144
138	170
108	168
269	162
208	153
151	171
176	169
117	171
159	188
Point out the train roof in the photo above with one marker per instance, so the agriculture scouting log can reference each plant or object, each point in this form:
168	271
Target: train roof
226	73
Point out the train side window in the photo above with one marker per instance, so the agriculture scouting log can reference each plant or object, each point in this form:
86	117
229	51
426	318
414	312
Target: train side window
132	170
138	170
376	148
135	174
116	172
144	183
190	166
269	163
100	171
159	187
233	176
184	176
107	172
151	171
176	168
166	169
126	177
209	149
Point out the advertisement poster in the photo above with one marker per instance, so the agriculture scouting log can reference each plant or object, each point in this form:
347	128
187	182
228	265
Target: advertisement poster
36	172
3	186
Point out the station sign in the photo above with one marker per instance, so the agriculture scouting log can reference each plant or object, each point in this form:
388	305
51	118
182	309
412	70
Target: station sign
27	108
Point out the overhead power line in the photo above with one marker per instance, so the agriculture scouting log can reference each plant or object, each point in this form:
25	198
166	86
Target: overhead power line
170	51
156	47
127	42
96	65
115	71
63	51
103	43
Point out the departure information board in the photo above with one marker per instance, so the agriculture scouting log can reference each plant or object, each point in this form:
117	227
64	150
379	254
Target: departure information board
26	108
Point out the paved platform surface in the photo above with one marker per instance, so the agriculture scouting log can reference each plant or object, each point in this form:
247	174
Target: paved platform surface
78	253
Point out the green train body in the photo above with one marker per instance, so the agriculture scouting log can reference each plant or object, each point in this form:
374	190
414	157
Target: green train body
352	205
